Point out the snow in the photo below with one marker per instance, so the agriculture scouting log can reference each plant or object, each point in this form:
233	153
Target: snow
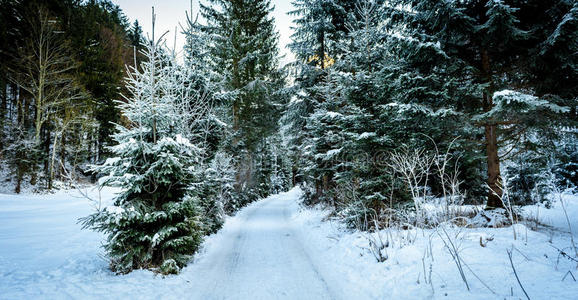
537	262
366	135
511	97
332	114
276	249
257	255
555	217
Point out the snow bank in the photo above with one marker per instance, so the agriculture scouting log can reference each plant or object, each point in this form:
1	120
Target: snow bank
539	264
555	216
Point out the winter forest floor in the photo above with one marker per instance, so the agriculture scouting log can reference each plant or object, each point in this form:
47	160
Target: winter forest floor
276	249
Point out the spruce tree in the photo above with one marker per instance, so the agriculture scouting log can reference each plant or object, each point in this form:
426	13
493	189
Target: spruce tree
244	52
155	222
204	82
489	48
319	30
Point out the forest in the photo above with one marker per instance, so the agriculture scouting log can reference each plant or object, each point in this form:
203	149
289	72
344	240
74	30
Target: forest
394	114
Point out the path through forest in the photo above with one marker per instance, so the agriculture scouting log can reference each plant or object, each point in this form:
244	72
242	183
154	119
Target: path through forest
261	257
260	253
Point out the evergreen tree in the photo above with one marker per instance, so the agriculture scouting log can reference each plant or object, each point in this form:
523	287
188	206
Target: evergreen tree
87	46
135	35
155	220
99	37
205	82
406	73
488	47
319	30
245	55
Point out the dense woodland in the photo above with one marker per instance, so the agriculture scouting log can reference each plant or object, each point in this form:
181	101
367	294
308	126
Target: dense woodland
63	64
388	103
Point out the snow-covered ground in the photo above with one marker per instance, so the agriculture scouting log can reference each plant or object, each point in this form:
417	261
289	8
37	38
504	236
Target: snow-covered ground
487	268
275	249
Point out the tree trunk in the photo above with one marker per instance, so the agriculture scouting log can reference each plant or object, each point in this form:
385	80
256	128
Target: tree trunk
62	162
53	160
3	106
321	54
490	130
19	176
493	161
46	155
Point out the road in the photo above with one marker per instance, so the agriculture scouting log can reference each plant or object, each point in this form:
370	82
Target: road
259	256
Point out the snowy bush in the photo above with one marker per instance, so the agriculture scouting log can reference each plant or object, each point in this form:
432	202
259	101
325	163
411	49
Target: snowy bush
565	165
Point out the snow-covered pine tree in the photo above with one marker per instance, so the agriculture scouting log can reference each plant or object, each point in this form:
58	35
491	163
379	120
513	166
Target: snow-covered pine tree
220	176
565	162
325	147
190	90
486	72
155	222
21	156
203	83
427	94
362	181
280	178
319	29
245	54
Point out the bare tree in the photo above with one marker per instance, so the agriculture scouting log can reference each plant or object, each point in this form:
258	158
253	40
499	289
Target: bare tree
44	69
415	167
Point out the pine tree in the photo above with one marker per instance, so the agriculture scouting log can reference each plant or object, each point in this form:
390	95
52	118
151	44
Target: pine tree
204	85
220	176
319	30
245	55
155	220
135	35
98	35
488	48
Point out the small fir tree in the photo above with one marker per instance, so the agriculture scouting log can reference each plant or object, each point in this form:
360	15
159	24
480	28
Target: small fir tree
155	222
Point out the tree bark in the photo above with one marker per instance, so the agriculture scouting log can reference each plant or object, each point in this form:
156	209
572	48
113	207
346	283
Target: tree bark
47	142
490	130
53	160
494	175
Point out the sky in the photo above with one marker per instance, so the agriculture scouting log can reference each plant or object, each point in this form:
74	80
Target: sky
171	13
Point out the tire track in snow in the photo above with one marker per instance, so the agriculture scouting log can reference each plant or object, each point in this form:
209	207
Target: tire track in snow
259	257
298	244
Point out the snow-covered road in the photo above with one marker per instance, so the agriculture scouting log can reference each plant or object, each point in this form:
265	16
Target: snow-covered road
275	249
261	256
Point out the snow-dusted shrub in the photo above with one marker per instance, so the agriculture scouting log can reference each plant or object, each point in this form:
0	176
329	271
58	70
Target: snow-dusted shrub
21	156
565	161
357	215
216	188
415	168
494	218
419	170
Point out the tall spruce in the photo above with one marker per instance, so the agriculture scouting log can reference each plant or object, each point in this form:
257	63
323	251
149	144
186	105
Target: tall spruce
319	29
245	54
